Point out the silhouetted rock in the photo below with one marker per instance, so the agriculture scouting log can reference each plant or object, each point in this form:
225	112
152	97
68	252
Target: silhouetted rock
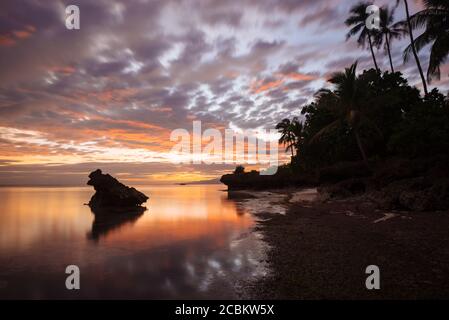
253	180
111	193
415	194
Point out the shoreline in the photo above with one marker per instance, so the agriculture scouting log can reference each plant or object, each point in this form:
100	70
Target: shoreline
320	250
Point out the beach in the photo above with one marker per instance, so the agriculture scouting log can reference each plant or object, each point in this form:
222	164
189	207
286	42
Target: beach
320	250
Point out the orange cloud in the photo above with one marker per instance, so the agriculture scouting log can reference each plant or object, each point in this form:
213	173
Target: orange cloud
279	79
162	109
261	86
300	76
114	95
67	70
11	38
7	41
22	34
135	124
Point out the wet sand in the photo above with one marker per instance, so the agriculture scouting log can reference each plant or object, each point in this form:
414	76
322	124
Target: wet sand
321	250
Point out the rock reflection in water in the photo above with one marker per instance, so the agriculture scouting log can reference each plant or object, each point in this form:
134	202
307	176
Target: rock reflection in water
108	219
195	244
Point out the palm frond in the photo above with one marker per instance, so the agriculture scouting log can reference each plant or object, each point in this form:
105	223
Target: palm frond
438	56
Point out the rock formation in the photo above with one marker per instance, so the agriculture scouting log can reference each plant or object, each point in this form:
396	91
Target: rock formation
111	194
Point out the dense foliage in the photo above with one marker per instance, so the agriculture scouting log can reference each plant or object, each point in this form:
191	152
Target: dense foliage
390	116
375	114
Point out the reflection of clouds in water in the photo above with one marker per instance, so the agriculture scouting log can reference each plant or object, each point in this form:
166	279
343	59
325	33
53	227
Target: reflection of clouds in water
200	268
203	267
190	269
245	261
170	252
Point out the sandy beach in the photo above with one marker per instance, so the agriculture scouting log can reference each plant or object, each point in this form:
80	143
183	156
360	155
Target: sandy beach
320	250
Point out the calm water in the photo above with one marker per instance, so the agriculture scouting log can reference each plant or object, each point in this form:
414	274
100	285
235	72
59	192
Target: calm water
192	242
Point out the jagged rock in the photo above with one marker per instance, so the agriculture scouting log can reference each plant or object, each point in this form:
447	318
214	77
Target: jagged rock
416	194
111	193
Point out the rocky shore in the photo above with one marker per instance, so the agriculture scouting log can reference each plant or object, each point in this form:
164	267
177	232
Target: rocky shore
392	184
319	248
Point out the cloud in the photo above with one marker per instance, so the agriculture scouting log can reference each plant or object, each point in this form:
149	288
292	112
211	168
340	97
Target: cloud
136	70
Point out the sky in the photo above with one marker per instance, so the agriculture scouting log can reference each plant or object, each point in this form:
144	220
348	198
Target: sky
109	94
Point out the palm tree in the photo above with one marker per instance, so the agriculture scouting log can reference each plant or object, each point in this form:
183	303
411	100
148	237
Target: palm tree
288	129
435	19
412	45
357	20
388	31
345	103
297	128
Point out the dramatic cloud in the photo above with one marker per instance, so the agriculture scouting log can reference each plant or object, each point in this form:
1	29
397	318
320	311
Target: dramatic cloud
109	95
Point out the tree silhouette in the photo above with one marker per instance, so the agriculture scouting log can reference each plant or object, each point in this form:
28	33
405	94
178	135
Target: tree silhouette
435	19
357	20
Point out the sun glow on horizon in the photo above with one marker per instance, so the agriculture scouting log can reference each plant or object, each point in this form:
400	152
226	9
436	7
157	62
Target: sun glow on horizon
49	154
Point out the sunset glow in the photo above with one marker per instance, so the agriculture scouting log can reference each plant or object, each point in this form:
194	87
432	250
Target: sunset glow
113	91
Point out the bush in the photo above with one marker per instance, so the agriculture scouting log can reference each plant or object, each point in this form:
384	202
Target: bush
239	170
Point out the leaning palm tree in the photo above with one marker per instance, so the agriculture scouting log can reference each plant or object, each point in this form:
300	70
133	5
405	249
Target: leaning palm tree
412	46
388	31
297	129
287	130
357	20
345	102
435	19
